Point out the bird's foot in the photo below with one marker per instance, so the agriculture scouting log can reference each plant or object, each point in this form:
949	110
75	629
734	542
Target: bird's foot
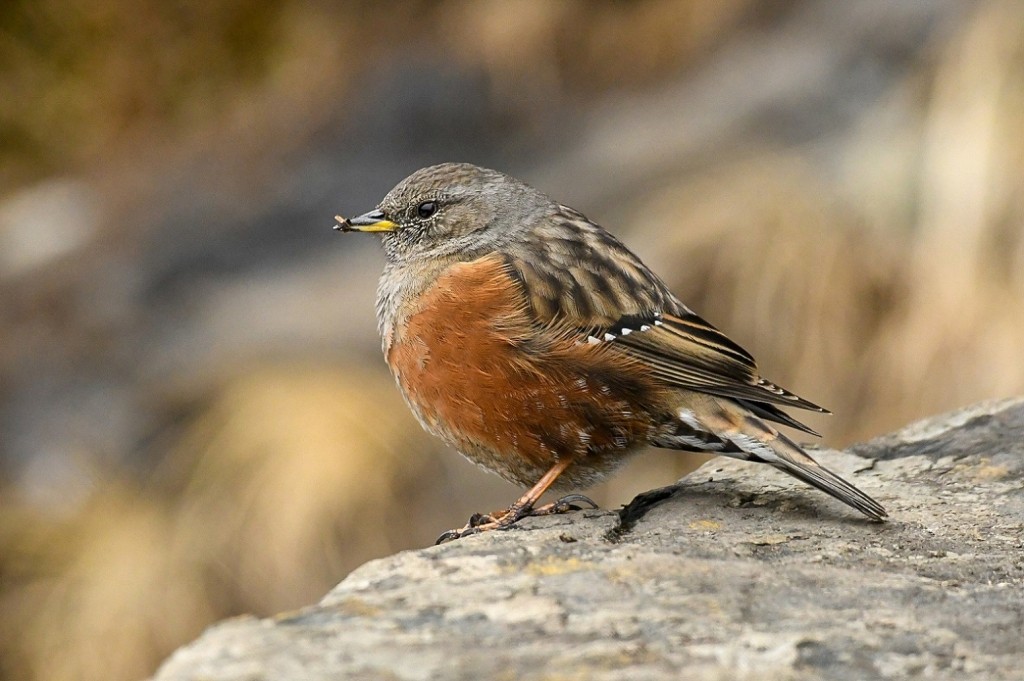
482	522
502	520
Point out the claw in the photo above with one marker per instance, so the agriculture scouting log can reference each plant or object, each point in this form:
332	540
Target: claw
477	523
570	502
483	522
450	535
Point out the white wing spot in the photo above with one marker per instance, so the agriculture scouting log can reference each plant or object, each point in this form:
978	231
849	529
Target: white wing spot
626	332
771	387
593	340
645	327
609	337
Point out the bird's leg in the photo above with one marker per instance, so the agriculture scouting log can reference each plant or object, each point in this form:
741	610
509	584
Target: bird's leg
523	507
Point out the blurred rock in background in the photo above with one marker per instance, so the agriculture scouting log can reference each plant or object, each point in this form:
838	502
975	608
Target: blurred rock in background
195	420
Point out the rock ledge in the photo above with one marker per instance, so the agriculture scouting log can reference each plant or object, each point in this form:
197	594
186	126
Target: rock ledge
734	573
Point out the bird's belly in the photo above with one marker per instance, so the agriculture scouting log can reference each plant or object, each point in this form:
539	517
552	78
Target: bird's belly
518	421
515	406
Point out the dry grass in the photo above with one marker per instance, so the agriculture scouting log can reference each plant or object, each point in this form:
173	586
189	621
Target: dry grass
286	480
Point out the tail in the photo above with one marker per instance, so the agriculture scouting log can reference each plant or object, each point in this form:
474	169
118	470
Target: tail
796	462
724	427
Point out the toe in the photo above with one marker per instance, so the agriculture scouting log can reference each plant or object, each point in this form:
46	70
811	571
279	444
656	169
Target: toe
450	535
571	502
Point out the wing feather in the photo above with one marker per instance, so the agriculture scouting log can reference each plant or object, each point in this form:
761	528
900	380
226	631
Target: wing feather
581	279
692	354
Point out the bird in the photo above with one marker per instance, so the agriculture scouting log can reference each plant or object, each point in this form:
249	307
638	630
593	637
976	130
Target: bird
537	345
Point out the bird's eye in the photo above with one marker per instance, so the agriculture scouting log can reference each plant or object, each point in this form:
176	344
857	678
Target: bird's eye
426	209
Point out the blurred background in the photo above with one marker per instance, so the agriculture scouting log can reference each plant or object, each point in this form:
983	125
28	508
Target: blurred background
195	420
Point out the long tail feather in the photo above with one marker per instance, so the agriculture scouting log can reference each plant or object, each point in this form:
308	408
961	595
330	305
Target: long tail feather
816	475
728	428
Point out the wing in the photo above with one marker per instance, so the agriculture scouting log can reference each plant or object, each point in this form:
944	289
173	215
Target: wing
690	353
577	276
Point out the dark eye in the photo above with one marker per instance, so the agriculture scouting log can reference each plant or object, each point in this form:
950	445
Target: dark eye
426	209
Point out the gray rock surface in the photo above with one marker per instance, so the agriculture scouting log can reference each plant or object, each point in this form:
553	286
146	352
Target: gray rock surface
737	572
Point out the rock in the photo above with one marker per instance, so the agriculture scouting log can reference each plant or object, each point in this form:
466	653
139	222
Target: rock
736	572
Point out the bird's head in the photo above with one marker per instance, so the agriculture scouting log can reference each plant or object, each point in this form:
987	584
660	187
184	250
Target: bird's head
451	209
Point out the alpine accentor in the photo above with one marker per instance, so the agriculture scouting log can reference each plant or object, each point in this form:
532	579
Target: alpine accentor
536	344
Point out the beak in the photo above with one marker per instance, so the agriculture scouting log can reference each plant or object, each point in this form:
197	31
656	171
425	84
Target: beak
373	221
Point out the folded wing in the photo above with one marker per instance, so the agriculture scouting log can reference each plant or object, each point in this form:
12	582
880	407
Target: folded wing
589	283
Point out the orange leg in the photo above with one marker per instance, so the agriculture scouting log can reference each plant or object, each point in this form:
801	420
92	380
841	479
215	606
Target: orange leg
521	508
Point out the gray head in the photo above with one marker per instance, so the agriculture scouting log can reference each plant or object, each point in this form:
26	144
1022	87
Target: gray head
452	209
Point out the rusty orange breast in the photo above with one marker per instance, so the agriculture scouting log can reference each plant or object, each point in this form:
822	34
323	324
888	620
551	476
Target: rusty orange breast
512	394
